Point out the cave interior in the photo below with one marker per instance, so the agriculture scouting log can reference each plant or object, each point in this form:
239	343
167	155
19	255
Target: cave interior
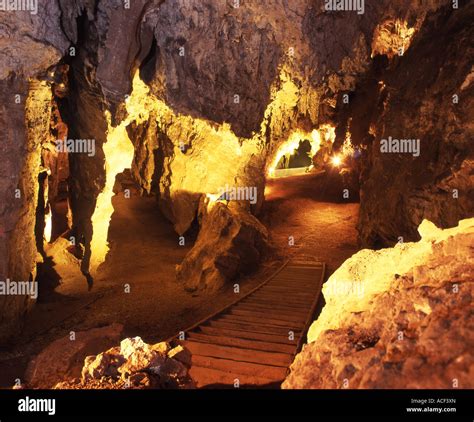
163	159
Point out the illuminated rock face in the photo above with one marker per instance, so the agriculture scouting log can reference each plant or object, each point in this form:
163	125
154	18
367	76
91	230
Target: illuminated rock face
29	44
219	106
227	88
19	190
396	318
231	243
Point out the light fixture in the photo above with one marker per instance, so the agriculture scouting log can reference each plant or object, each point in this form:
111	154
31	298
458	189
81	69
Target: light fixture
336	161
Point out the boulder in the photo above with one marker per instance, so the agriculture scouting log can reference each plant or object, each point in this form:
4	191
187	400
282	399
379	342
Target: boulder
396	318
231	242
64	358
136	364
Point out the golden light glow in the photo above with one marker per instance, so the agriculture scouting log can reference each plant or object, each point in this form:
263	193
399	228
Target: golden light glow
367	274
315	138
119	152
48	226
347	148
230	154
336	161
392	38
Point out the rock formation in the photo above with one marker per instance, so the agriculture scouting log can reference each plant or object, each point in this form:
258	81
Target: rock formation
68	363
194	96
396	318
135	364
231	243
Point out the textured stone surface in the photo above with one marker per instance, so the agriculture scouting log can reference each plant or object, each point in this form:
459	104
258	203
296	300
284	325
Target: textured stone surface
231	243
64	358
396	318
31	43
415	101
21	151
136	364
289	62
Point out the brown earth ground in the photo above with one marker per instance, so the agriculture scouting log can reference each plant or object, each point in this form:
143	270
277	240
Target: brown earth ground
144	251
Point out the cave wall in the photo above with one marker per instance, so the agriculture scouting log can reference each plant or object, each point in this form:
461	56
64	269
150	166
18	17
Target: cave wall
29	45
417	101
398	318
287	61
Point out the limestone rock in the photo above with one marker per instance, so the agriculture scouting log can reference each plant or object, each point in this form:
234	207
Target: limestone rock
64	358
436	184
237	241
397	318
136	364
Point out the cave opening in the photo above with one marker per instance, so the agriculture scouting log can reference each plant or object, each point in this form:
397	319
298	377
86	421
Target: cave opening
301	158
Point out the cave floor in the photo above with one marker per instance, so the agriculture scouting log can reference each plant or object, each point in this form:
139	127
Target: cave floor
143	253
323	229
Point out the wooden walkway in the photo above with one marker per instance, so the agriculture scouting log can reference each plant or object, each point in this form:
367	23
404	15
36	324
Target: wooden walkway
252	343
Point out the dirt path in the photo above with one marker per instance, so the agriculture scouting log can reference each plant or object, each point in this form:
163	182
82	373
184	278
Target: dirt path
322	229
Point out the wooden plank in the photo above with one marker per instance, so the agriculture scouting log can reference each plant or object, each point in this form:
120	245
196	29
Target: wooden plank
296	282
283	291
287	292
258	321
242	343
213	378
296	297
240	334
301	264
282	303
262	314
270	278
297	275
264	329
293	281
250	339
263	307
244	368
238	354
313	309
284	299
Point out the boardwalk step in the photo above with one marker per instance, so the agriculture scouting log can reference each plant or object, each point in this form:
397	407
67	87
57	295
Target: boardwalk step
237	354
239	334
208	377
255	340
262	313
242	343
264	307
282	331
257	319
276	373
